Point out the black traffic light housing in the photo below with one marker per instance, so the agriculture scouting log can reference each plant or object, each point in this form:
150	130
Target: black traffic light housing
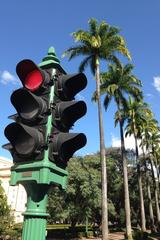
27	136
46	111
65	112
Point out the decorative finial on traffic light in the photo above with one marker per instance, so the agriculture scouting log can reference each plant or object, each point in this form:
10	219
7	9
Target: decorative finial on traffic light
51	60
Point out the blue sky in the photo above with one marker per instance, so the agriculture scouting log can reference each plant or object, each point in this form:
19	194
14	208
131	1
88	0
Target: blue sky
29	28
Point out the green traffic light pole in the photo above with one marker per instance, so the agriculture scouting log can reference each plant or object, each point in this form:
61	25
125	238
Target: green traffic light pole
38	176
35	217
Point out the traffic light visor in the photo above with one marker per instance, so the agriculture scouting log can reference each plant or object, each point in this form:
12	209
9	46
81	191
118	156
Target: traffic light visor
29	74
24	139
69	85
66	144
67	113
27	104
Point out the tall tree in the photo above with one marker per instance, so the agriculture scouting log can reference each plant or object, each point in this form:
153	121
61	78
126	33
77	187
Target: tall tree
147	128
155	140
136	115
100	42
117	83
152	139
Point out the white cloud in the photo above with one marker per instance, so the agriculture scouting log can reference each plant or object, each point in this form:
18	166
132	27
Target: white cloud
129	142
6	78
116	142
156	83
80	97
150	95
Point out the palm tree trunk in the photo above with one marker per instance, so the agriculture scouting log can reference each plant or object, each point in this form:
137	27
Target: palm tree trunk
125	182
150	206
157	182
102	157
153	229
158	173
156	195
143	218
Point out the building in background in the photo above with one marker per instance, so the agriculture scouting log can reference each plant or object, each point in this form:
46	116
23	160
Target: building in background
16	195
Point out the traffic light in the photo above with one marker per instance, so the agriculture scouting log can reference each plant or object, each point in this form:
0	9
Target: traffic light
40	140
65	112
27	135
46	111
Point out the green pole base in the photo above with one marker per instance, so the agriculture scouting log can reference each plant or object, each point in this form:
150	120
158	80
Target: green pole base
34	228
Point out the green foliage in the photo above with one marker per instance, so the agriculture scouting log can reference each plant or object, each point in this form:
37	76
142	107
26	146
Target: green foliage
115	183
139	235
82	197
137	113
101	40
83	189
61	231
56	205
118	82
83	194
122	217
6	219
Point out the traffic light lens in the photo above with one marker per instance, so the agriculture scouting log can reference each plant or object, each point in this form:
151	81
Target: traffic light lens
28	105
25	140
33	80
65	145
20	143
67	113
68	86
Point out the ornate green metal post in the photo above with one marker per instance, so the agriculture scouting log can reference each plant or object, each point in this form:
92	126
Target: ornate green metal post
34	225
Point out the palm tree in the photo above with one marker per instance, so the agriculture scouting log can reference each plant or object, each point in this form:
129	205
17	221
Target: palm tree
154	141
100	42
117	83
148	127
137	114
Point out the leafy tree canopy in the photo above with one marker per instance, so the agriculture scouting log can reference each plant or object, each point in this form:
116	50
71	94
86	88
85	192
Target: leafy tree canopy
6	219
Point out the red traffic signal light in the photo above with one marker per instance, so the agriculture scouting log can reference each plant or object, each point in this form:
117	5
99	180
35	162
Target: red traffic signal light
31	76
28	135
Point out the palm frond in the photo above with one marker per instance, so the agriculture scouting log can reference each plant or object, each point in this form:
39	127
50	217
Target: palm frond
119	117
101	40
103	29
94	97
93	64
96	42
115	61
107	101
93	26
112	31
124	52
75	51
84	63
82	36
128	69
